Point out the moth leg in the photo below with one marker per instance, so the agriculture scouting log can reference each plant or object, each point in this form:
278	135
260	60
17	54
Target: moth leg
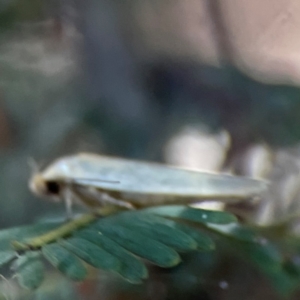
104	198
68	199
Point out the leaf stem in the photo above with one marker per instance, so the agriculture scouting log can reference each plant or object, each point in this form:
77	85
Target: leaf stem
64	230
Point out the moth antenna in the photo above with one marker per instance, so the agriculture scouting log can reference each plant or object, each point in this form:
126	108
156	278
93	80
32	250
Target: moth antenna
33	165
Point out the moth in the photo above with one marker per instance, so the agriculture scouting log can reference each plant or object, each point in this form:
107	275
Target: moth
95	180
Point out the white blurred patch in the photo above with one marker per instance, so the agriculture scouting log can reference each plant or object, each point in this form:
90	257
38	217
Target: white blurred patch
196	148
210	205
257	161
283	197
223	284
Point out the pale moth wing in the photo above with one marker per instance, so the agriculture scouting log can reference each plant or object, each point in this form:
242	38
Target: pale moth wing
146	184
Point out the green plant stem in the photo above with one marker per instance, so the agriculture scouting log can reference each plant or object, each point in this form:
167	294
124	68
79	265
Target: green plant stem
64	230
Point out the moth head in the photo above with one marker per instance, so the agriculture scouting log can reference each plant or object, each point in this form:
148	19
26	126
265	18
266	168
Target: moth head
41	187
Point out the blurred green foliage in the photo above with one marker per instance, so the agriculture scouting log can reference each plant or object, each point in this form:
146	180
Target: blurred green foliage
118	243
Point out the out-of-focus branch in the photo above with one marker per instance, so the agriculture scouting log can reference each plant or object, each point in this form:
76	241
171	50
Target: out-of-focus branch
223	41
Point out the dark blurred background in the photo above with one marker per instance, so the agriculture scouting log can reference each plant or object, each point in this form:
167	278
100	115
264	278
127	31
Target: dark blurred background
206	84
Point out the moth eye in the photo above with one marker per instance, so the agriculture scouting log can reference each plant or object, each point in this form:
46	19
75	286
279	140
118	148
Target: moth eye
53	187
